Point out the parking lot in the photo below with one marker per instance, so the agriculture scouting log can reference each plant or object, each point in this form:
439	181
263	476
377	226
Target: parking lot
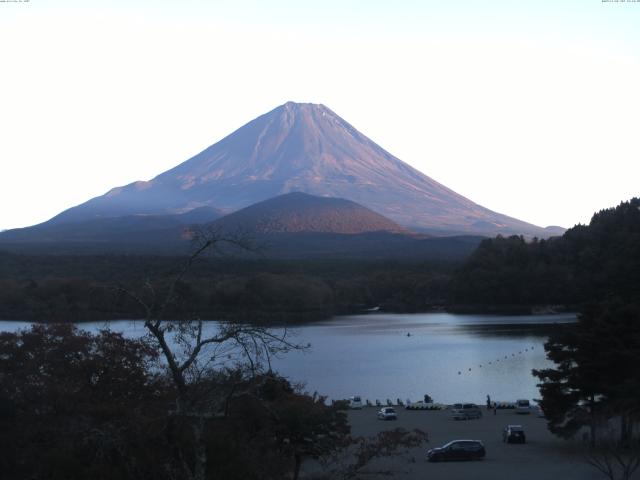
543	457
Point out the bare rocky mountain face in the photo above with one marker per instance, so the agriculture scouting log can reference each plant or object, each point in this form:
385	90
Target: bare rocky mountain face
302	148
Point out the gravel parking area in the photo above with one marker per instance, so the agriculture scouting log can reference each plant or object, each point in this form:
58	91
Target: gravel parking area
543	457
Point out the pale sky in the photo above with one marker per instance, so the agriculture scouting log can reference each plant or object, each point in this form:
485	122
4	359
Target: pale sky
529	108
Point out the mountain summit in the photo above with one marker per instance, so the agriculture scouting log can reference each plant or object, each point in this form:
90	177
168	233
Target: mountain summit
306	148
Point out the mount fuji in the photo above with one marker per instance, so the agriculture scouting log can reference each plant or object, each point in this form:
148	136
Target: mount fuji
299	147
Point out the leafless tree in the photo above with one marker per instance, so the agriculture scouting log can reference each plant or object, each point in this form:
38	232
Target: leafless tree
615	460
356	455
193	349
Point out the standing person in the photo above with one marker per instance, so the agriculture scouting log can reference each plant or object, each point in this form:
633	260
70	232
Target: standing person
488	402
495	408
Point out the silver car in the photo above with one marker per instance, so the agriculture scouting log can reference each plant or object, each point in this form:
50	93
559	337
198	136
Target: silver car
387	413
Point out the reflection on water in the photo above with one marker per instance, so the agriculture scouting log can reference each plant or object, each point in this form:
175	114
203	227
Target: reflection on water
378	356
510	330
451	357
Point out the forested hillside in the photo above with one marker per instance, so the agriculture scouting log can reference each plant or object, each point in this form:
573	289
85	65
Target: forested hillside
594	261
62	288
588	262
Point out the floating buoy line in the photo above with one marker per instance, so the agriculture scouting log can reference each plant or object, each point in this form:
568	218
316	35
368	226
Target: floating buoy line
506	357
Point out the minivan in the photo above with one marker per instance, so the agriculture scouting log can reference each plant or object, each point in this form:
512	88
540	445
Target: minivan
523	406
465	411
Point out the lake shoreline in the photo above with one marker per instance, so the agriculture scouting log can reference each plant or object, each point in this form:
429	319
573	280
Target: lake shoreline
310	317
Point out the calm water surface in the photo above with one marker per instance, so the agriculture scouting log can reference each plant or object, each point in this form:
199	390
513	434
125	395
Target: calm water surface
378	356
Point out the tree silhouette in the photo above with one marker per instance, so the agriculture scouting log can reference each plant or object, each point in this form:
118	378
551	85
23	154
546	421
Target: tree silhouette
193	351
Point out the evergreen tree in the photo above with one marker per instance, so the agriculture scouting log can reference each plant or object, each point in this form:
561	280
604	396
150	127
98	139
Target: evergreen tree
596	375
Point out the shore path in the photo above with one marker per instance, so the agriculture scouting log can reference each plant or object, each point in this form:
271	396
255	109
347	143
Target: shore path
543	457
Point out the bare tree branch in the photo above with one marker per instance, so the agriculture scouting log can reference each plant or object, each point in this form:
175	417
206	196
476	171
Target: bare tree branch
196	400
614	460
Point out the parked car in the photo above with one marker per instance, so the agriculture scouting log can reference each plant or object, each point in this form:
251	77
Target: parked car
355	402
465	411
513	434
457	450
387	413
523	406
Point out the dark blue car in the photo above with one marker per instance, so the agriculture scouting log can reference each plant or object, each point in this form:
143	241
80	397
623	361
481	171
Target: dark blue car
457	450
513	434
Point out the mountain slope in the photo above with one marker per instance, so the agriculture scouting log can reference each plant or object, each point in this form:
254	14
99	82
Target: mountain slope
306	148
291	226
127	229
299	212
301	226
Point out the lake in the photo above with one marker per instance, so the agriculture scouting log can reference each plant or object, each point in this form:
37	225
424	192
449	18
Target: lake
451	357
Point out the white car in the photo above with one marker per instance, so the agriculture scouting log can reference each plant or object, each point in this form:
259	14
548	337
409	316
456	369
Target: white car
355	402
387	413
